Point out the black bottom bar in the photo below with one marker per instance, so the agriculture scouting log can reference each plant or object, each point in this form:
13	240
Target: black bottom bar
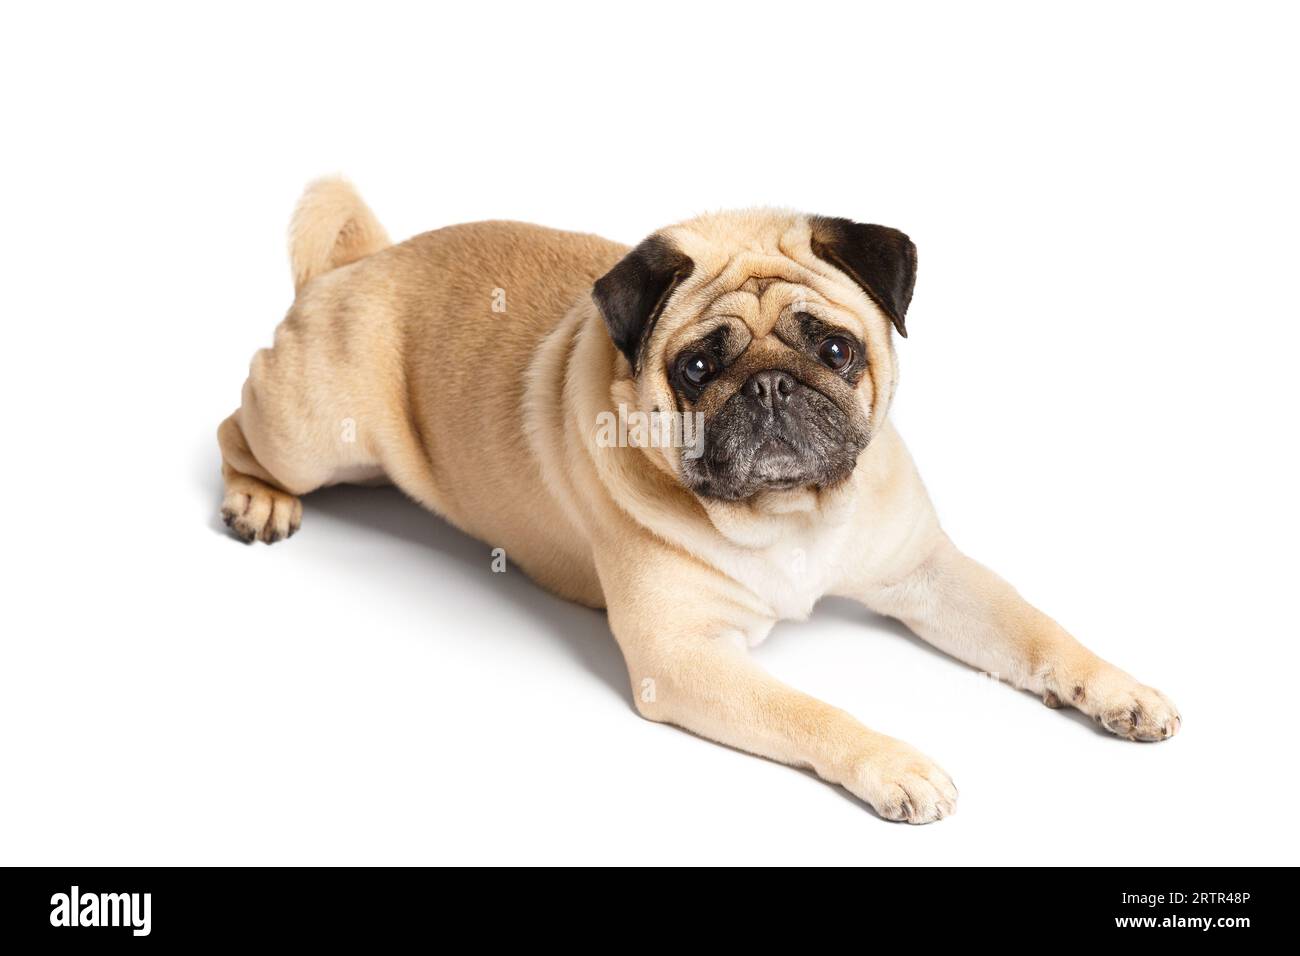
336	906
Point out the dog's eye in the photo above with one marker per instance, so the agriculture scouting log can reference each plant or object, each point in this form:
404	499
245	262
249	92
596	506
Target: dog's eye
697	368
836	352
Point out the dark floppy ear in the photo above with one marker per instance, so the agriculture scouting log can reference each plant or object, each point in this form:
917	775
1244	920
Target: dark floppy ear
633	293
880	259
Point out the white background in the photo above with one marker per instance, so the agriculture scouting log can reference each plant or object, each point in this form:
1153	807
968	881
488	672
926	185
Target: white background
1099	388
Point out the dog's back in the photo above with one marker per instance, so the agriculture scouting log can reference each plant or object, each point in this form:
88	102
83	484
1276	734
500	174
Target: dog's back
407	363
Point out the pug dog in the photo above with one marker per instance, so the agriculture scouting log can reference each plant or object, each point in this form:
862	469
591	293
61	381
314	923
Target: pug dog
491	371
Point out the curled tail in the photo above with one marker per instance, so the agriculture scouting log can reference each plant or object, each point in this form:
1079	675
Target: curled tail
331	227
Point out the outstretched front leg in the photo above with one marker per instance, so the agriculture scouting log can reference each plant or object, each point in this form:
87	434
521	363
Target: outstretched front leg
964	609
711	687
692	669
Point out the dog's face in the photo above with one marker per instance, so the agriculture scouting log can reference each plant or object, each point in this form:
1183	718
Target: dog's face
770	330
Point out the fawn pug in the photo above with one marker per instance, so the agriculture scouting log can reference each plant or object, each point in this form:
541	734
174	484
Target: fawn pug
773	329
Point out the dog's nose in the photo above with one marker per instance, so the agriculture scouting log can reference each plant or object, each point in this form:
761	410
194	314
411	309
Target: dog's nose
771	388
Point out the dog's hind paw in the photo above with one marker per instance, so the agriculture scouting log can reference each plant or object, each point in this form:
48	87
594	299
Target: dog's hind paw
254	511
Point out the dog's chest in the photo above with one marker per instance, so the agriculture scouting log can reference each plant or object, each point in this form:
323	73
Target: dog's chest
790	575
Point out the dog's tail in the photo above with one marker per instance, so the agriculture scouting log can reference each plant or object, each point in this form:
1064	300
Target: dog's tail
331	227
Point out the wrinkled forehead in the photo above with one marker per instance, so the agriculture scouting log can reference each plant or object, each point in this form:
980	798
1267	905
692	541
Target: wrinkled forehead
759	300
758	288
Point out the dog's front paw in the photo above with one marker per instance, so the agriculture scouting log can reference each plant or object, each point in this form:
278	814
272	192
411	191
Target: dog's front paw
903	784
1125	707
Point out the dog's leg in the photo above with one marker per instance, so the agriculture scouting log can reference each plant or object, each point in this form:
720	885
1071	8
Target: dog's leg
296	430
254	506
711	687
966	610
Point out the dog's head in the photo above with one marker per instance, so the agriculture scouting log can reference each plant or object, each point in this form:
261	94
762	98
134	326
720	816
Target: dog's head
771	329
